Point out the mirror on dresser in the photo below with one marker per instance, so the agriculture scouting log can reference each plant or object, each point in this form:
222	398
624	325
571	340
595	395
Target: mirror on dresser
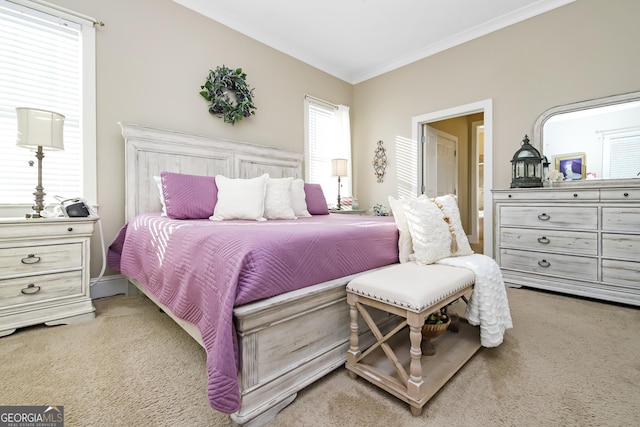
604	133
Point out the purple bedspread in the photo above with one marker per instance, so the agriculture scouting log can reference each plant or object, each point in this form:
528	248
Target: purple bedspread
201	269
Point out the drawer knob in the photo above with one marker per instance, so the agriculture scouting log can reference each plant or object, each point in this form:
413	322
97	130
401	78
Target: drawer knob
543	240
70	229
626	194
509	196
30	259
30	289
544	263
544	217
575	194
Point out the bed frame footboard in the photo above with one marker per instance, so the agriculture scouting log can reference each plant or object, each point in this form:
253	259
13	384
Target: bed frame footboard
286	343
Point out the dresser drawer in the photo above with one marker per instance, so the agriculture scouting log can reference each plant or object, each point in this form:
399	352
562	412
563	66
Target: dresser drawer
39	288
621	273
35	259
577	217
620	194
621	219
569	266
624	246
572	242
545	195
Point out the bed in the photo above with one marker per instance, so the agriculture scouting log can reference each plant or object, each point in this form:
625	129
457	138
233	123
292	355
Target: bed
268	330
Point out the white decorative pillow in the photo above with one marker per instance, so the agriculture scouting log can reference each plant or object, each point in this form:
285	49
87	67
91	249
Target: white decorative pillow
240	198
277	202
450	208
298	198
158	181
405	245
430	233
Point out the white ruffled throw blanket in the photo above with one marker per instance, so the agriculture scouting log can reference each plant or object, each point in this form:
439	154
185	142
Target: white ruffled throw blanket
488	305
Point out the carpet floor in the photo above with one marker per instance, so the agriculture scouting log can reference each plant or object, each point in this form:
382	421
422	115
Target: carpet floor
567	362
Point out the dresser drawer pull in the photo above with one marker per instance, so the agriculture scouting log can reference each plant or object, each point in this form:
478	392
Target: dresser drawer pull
31	259
626	194
70	229
575	194
543	240
31	289
544	263
544	217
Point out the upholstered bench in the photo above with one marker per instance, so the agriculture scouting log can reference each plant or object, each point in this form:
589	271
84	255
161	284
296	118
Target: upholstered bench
395	362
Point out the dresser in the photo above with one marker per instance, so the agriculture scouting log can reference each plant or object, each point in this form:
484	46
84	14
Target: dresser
44	271
582	240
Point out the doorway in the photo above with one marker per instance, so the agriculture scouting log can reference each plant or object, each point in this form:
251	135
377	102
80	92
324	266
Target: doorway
468	201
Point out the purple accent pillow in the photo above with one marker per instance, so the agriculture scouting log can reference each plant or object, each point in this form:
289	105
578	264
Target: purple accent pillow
316	203
189	196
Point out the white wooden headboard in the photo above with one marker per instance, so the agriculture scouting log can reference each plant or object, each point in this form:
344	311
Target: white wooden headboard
150	151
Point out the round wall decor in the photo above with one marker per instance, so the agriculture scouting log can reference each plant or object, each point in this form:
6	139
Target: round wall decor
380	162
230	96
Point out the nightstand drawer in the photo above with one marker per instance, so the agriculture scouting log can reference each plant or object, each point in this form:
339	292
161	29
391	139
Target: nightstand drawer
29	229
569	266
38	288
36	259
573	242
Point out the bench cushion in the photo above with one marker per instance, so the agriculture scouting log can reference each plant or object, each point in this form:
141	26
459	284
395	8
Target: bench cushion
411	286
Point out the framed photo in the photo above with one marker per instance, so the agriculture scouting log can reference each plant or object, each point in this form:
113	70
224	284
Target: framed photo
572	166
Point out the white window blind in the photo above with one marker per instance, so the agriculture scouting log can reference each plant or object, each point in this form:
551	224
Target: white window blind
624	157
42	66
327	137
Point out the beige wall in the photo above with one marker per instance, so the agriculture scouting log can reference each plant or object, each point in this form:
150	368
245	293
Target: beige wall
584	50
153	55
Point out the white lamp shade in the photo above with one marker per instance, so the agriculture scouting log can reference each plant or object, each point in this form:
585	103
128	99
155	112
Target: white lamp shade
339	167
40	128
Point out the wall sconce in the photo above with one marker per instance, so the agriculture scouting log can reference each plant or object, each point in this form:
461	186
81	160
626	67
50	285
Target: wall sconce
379	162
38	129
526	166
339	169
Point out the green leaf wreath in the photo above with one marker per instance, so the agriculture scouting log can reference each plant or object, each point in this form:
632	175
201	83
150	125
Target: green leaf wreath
230	96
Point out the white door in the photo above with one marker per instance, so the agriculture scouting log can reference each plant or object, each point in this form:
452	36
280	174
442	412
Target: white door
439	163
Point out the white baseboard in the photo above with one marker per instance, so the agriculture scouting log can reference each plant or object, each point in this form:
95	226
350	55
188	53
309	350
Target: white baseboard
109	286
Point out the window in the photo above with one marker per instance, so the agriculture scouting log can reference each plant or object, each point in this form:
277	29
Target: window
48	62
327	136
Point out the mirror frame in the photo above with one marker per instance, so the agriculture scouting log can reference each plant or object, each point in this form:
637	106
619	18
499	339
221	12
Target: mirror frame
579	106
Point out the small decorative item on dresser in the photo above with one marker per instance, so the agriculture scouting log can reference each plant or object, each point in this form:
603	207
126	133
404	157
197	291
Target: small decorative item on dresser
526	166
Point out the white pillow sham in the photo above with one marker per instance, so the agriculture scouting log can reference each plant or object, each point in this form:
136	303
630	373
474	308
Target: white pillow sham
405	245
240	198
158	181
277	203
298	198
430	233
450	208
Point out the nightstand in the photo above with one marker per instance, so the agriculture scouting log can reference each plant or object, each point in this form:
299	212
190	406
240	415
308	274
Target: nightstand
44	271
348	211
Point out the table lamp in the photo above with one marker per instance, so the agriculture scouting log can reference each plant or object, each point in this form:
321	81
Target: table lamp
38	129
339	169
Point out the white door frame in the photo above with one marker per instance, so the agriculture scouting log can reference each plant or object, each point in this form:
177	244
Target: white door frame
486	107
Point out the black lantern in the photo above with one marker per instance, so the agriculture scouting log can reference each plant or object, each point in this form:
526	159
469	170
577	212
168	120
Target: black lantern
526	166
